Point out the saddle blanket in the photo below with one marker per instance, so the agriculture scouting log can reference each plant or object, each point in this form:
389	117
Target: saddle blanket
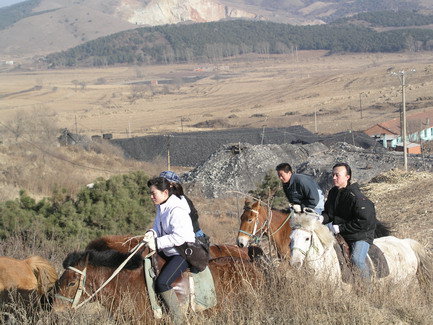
202	294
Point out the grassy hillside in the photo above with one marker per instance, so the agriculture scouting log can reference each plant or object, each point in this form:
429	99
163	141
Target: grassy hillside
11	14
213	41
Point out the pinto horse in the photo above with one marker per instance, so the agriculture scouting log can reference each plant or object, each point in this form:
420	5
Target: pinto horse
312	245
31	276
258	221
86	271
125	243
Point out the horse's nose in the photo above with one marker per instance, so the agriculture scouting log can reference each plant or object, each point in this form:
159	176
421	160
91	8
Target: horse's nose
241	242
296	264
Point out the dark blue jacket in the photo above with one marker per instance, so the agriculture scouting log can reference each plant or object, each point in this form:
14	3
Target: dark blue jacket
303	190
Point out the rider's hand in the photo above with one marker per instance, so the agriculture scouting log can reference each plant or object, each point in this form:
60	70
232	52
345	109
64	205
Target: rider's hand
149	236
297	208
335	229
150	240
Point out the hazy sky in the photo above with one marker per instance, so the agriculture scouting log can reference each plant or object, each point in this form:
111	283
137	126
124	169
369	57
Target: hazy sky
4	3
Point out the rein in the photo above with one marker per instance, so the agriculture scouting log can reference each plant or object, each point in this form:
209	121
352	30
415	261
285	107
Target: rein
81	288
264	225
289	216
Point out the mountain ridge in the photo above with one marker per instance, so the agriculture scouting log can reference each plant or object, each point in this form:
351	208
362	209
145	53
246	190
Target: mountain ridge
39	27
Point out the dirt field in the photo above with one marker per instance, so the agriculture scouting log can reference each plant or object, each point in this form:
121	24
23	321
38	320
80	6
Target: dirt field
248	92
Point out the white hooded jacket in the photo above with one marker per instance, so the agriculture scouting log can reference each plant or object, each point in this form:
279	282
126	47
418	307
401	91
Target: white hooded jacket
172	225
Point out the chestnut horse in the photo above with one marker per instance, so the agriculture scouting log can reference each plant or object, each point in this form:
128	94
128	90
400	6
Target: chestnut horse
31	276
258	221
126	294
125	243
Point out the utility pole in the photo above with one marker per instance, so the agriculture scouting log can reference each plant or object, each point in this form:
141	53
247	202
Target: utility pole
315	119
402	78
168	152
263	132
360	103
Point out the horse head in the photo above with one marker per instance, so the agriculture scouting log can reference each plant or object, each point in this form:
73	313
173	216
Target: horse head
76	284
253	223
307	238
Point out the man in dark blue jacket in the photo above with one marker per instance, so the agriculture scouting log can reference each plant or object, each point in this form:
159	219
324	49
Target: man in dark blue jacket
349	213
300	189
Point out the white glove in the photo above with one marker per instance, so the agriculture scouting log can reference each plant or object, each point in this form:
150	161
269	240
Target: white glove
320	218
150	240
297	208
335	229
149	236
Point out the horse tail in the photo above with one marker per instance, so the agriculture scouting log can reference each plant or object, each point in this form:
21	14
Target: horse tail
424	271
44	272
382	229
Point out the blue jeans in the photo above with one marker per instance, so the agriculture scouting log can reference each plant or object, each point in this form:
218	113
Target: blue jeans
171	270
359	255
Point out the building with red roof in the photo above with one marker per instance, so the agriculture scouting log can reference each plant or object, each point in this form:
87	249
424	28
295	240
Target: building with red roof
419	128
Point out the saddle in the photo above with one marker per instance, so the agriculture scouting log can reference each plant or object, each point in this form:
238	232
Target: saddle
193	289
375	260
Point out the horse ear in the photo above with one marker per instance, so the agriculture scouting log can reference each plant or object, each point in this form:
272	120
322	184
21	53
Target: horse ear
86	260
248	202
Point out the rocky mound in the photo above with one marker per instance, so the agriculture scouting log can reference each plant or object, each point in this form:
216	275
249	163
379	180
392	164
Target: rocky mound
240	167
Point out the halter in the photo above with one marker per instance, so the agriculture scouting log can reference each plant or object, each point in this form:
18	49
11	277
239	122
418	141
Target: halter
256	224
81	288
265	224
312	245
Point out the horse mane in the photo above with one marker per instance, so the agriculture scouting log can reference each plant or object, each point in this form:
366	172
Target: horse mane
44	272
107	258
311	223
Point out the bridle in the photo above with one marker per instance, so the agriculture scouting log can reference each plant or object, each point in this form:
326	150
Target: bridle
253	235
80	290
82	287
312	246
264	227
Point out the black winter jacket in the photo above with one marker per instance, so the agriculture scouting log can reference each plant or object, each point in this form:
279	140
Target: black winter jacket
303	190
352	212
193	214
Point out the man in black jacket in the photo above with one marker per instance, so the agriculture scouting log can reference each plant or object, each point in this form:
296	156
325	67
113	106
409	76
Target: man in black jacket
350	213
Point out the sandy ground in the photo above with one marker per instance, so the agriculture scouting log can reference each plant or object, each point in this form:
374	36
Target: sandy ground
250	92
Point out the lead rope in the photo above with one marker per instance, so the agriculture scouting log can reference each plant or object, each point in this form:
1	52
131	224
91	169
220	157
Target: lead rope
136	248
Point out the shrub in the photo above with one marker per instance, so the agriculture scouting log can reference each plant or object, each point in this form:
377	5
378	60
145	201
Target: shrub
119	205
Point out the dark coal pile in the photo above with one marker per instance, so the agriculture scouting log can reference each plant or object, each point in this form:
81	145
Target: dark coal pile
240	167
191	149
194	148
356	138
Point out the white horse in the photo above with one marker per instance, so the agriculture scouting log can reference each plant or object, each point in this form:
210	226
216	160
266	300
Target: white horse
312	245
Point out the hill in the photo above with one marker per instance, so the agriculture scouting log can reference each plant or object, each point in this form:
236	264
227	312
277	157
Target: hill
214	41
38	27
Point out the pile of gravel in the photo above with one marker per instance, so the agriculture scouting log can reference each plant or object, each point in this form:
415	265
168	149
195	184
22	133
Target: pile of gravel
191	149
241	167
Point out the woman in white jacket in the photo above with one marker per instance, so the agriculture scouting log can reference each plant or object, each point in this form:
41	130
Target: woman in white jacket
172	227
